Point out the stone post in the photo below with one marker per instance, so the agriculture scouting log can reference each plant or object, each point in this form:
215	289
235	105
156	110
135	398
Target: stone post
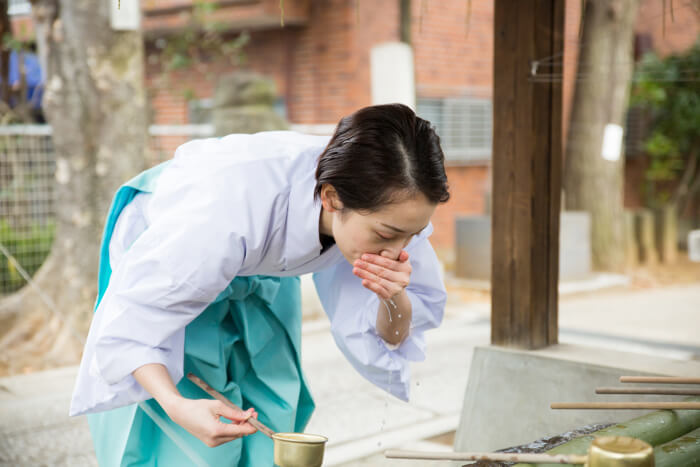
667	233
631	244
644	228
243	104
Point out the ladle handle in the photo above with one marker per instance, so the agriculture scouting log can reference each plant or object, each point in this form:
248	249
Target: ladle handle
488	456
220	397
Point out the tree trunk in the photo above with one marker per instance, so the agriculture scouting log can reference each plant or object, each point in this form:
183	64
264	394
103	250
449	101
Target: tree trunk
689	182
591	182
95	102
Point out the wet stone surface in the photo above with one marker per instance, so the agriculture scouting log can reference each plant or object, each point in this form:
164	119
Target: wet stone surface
543	444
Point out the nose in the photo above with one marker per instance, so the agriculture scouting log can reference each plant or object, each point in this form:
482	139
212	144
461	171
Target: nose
392	251
389	253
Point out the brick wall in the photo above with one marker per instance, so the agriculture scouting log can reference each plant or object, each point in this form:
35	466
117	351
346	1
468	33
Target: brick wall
322	68
469	186
320	64
453	50
669	33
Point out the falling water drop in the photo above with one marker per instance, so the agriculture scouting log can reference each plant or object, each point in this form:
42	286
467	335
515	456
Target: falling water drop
388	310
386	401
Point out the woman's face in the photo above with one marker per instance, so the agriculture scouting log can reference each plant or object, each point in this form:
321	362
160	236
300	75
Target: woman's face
384	232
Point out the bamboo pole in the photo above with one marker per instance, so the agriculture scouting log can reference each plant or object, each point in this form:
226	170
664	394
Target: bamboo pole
488	456
664	391
684	450
656	428
627	405
659	379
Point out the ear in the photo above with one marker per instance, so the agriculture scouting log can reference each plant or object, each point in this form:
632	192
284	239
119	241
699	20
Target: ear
329	198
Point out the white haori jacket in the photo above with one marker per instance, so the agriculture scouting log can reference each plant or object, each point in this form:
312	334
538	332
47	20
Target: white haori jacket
241	205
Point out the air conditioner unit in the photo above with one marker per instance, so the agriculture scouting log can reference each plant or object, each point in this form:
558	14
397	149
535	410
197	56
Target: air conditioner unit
694	245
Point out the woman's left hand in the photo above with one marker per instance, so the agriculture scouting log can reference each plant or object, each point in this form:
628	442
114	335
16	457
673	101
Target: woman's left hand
384	276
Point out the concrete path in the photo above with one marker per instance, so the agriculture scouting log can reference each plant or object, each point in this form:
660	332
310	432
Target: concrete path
360	420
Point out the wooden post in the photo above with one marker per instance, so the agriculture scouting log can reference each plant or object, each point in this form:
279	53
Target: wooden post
527	161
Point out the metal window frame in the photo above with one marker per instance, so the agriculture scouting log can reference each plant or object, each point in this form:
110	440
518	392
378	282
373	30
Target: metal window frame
455	116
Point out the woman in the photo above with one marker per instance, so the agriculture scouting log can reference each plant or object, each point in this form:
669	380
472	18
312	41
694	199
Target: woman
197	275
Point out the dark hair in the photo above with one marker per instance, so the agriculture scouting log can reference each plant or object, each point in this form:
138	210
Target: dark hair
378	151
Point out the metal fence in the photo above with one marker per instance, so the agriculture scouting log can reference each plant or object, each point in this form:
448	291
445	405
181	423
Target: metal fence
27	169
164	139
27	227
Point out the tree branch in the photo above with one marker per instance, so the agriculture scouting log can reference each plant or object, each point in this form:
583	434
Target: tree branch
695	187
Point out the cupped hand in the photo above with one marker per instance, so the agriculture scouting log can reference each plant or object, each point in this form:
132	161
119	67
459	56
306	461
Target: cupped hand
384	276
201	417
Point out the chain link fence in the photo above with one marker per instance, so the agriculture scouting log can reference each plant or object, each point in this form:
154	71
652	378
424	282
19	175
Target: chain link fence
27	214
27	224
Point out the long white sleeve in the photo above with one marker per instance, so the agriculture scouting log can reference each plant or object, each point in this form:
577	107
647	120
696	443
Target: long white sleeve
352	310
177	266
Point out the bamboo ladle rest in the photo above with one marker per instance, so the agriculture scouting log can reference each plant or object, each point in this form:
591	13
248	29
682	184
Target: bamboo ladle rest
290	449
605	451
487	456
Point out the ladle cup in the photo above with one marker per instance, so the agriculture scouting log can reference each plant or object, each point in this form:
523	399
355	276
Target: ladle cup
290	449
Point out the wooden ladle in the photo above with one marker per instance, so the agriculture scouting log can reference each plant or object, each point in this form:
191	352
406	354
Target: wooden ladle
290	449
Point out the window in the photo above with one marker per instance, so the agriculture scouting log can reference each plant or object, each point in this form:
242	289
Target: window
463	124
19	7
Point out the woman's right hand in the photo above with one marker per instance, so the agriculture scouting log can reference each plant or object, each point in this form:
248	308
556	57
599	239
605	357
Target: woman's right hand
201	417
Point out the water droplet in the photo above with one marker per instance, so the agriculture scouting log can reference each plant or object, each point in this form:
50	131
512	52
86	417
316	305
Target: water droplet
397	333
399	316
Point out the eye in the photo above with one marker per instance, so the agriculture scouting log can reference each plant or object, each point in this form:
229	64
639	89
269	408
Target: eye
381	237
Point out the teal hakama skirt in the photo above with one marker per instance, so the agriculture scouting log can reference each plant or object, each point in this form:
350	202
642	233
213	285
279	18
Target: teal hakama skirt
246	345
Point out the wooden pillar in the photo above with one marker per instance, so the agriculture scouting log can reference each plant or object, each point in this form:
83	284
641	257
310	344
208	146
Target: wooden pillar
527	161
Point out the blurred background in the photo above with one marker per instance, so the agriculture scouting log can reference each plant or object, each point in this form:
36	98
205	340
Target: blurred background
91	93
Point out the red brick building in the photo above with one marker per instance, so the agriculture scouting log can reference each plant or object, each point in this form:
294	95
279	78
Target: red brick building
320	62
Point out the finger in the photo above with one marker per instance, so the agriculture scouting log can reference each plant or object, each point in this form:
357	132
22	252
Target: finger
387	284
381	261
393	284
225	439
403	256
220	441
384	273
387	254
233	414
376	288
234	430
